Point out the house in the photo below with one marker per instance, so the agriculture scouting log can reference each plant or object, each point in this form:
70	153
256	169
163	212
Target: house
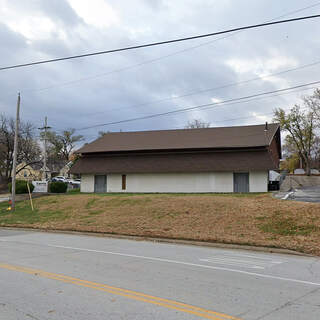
223	159
58	168
30	171
34	171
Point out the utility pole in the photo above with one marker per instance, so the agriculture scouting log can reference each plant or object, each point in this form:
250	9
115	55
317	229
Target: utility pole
45	128
15	153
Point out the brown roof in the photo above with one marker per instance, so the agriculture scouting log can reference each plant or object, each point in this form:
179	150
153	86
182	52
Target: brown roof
223	137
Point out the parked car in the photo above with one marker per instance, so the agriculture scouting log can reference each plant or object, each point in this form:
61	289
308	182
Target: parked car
59	178
74	182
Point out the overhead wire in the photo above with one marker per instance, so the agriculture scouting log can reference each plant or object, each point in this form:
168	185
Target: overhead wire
71	82
253	79
227	120
169	55
240	99
228	85
146	45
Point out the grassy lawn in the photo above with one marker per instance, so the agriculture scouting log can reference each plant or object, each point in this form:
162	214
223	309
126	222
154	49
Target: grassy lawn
255	219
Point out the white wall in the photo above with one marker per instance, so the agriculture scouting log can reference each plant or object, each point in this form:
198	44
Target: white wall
258	181
177	182
173	182
87	183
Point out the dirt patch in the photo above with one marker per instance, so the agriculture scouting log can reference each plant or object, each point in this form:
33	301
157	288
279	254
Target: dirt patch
255	219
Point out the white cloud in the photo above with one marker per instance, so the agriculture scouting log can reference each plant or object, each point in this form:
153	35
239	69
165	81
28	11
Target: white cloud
261	67
215	100
30	26
261	117
97	13
89	25
33	25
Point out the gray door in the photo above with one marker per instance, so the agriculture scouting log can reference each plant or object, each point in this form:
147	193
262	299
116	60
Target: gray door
100	183
241	182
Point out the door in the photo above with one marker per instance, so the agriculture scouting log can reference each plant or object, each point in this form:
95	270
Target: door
100	184
241	182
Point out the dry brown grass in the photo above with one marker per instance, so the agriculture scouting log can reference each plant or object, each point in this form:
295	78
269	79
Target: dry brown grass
248	219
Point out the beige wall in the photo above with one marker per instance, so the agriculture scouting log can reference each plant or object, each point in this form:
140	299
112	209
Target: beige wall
258	181
87	183
177	182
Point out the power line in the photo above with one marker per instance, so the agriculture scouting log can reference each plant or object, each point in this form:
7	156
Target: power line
240	99
161	42
224	120
71	82
262	97
250	117
79	80
191	93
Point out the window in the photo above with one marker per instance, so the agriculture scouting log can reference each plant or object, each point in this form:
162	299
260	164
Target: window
124	182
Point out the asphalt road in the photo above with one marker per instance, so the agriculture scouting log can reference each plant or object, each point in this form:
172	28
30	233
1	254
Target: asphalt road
61	276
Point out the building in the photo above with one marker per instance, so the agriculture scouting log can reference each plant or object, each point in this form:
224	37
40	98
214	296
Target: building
34	171
225	159
30	171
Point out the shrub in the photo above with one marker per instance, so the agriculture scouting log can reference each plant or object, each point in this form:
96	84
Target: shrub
58	187
21	186
75	190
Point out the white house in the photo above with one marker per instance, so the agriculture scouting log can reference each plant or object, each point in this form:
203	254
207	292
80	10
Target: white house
223	159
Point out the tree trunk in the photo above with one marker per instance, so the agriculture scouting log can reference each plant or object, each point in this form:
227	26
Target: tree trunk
308	167
307	163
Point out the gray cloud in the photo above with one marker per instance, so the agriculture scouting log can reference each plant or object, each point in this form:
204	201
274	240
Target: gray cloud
124	94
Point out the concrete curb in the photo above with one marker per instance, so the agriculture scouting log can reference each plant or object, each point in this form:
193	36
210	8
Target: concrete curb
168	240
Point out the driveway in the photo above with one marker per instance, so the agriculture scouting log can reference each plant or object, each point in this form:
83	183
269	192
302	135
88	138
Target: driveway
75	277
307	194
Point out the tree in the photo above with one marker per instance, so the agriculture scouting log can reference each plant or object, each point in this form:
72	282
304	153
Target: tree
301	126
28	147
103	133
313	103
316	151
62	145
290	154
197	123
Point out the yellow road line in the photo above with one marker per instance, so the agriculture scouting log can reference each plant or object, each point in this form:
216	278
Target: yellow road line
170	304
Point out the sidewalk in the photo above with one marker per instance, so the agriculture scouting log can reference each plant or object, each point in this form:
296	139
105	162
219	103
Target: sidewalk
4	197
20	197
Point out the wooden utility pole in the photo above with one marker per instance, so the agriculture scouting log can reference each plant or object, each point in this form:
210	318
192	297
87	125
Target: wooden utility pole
45	128
15	153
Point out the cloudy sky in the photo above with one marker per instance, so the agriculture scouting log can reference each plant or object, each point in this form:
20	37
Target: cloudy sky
108	88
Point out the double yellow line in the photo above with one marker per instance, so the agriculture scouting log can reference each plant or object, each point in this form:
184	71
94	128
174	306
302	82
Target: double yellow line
166	303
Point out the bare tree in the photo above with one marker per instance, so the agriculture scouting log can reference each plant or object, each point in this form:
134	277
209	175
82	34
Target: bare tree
196	124
28	151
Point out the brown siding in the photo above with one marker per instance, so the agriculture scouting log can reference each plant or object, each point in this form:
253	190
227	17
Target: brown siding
176	162
275	149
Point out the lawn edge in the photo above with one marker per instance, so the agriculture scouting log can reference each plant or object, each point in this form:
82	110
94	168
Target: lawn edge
200	243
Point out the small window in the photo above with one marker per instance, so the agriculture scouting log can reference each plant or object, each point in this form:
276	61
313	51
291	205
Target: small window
124	182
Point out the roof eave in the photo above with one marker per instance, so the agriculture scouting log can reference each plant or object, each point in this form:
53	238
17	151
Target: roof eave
173	150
